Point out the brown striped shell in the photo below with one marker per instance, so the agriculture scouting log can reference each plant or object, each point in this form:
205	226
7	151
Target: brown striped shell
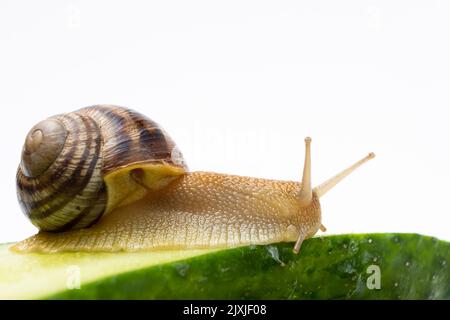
62	178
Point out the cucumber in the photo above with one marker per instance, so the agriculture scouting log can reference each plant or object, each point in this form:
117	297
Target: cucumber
369	266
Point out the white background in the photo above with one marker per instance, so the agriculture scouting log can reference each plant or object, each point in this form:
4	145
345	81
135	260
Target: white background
239	84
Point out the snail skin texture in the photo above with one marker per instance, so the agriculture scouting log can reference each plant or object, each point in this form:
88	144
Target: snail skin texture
106	178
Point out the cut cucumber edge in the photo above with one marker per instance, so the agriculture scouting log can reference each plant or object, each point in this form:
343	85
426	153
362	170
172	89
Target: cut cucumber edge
411	266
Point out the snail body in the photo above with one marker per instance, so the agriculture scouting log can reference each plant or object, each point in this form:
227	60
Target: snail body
127	188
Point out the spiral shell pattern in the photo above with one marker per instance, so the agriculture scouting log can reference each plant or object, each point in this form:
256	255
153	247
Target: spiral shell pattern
60	183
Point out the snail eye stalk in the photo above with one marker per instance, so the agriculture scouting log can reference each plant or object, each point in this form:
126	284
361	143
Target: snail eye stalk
322	189
305	196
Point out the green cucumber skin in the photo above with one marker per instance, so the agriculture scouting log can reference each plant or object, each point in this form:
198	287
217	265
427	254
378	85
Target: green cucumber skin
335	267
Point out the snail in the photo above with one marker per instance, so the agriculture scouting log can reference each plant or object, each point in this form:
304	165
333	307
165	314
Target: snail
106	178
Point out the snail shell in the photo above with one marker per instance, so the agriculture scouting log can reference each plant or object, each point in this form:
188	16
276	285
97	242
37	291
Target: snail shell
78	166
